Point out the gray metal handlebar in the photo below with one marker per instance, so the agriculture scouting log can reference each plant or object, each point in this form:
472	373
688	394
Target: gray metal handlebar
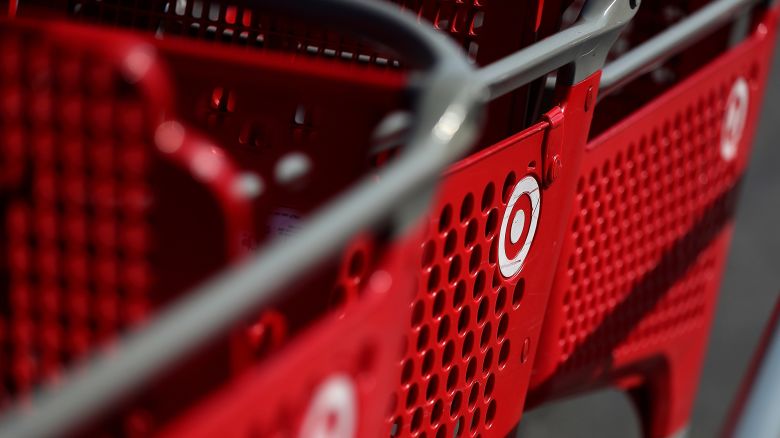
670	42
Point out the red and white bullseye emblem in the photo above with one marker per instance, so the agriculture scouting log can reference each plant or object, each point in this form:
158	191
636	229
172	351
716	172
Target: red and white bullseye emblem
332	412
518	226
734	119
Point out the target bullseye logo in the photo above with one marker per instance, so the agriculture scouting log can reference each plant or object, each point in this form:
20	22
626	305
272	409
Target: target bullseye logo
734	119
332	412
518	227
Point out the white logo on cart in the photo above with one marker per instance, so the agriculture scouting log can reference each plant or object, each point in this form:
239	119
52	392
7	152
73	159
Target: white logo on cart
332	412
529	188
734	119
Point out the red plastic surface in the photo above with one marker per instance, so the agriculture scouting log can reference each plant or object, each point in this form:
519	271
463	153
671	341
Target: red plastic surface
640	268
472	331
91	177
332	380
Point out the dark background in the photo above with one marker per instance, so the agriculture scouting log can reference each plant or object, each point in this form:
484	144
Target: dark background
748	292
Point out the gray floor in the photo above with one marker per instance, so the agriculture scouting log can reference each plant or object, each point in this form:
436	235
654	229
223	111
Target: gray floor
749	290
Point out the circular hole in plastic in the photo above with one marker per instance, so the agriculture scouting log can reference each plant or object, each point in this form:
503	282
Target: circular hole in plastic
509	183
459	427
438	409
452	378
448	354
468	345
445	218
486	333
411	396
482	310
517	295
406	371
475	259
466	207
503	325
490	415
491	224
432	388
475	420
433	278
471	233
454	271
487	196
450	242
479	284
463	319
489	385
418	312
503	354
438	303
457	399
487	361
471	369
459	295
474	394
427	363
500	301
444	329
422	338
395	429
416	420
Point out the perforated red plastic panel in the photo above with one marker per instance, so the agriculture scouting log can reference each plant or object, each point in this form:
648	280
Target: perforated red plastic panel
88	246
472	330
639	273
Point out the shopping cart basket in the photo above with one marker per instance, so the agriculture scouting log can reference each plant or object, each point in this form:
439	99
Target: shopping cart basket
639	273
95	204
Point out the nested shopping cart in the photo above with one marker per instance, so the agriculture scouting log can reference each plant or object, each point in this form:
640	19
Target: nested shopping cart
88	199
482	240
646	242
122	90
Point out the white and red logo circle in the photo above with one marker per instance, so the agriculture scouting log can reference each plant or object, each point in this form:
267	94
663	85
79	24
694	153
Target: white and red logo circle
332	412
734	119
518	226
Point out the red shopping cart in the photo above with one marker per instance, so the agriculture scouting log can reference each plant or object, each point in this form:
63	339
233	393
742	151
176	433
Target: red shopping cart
280	175
471	306
90	184
639	273
541	152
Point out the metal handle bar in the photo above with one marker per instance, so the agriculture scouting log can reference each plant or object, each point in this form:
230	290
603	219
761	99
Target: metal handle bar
451	94
670	42
584	46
